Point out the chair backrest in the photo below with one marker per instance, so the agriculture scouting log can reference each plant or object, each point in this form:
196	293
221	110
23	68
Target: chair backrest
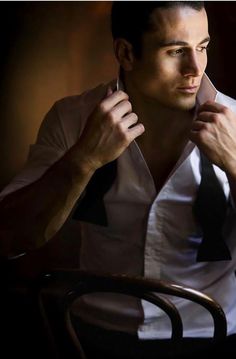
143	288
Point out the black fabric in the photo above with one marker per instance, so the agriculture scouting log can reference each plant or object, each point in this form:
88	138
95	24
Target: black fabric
210	210
91	207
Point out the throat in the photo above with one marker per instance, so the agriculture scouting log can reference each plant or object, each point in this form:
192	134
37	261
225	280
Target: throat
162	157
165	137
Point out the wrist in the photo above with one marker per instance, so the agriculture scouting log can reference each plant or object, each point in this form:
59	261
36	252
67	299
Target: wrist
79	164
231	170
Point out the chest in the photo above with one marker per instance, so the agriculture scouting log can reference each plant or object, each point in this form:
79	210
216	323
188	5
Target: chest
161	162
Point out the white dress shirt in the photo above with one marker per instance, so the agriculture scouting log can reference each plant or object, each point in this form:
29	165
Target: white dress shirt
147	234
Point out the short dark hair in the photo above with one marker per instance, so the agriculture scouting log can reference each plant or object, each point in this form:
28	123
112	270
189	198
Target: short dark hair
130	19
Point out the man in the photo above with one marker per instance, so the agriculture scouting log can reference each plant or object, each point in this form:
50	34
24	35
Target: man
126	160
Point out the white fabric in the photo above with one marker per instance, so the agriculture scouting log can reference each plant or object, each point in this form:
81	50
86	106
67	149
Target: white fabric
149	234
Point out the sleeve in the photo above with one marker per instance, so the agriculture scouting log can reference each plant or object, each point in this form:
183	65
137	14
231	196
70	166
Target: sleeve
50	145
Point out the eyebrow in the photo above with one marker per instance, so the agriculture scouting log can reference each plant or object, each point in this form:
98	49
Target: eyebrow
180	43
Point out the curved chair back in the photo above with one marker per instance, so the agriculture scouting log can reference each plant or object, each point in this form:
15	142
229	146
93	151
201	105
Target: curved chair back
148	289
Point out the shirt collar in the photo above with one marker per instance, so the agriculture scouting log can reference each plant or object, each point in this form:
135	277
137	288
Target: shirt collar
207	91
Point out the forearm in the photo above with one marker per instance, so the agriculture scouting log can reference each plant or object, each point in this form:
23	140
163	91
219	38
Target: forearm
30	216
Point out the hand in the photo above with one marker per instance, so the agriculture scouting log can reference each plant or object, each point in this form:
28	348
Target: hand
214	132
109	130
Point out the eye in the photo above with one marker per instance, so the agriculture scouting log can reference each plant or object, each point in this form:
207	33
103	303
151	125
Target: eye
203	48
177	52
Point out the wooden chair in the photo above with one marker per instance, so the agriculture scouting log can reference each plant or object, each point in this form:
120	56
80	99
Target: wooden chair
82	282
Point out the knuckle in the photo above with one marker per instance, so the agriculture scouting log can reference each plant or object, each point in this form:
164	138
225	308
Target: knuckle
142	128
122	94
135	116
215	118
201	116
129	106
225	111
204	126
101	108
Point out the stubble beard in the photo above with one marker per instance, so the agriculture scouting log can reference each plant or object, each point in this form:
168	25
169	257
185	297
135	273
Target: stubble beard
184	102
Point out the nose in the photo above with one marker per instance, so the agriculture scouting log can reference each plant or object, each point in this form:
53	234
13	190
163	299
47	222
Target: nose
192	65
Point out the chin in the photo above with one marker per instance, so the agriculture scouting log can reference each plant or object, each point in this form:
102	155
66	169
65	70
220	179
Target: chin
185	104
187	107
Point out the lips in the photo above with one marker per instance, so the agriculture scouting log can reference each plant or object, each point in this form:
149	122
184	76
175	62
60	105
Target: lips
188	89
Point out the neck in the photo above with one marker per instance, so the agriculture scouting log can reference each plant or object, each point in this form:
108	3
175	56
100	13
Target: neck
157	118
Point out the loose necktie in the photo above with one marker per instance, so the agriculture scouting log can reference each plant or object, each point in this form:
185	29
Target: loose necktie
91	207
210	209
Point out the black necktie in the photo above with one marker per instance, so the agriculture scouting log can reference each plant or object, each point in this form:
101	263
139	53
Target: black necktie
91	207
210	210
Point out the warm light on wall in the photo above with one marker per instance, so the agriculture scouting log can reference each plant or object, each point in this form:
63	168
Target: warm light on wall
60	49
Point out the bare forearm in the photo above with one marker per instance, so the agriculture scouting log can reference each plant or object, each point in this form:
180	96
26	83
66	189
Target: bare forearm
30	216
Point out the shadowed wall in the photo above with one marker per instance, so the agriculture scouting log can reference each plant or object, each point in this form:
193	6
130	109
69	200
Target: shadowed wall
48	50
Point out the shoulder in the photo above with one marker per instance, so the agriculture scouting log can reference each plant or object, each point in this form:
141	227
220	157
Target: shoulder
84	101
69	114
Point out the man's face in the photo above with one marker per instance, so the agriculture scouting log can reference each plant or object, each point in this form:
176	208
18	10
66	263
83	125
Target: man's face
173	58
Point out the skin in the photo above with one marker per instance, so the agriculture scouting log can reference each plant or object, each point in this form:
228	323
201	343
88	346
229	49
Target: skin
107	133
173	57
155	84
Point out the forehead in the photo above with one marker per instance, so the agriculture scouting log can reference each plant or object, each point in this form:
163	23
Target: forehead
180	23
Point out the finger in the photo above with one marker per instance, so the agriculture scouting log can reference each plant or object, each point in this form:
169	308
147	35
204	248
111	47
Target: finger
199	126
211	106
121	109
206	117
113	99
136	131
129	120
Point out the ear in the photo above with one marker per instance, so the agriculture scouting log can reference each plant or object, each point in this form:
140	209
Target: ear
124	53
